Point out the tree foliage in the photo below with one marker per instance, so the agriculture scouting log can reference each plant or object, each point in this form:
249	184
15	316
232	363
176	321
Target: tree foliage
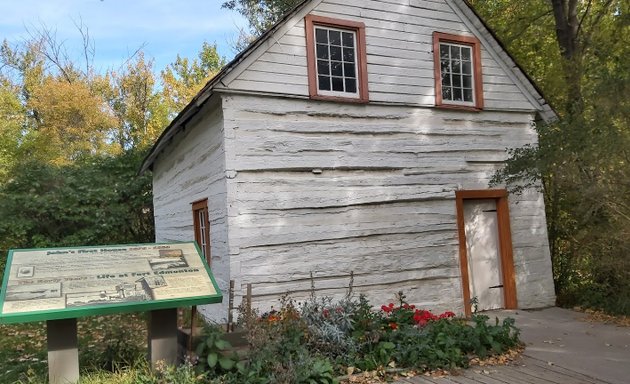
576	50
184	78
72	140
260	15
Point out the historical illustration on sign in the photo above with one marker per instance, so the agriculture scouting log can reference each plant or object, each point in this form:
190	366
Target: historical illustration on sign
57	279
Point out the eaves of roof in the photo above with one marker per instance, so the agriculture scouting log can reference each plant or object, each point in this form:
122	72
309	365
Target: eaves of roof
204	94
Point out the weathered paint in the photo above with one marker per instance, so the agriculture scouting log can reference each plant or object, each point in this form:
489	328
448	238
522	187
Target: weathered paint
328	189
299	187
399	55
193	168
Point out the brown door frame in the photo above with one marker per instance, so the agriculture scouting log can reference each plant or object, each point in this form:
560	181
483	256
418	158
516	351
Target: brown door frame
505	243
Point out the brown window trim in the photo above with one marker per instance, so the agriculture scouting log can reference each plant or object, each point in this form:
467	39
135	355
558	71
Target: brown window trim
359	29
439	37
196	207
505	243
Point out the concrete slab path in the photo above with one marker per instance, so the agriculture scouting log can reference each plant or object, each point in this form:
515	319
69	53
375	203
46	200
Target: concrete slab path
561	347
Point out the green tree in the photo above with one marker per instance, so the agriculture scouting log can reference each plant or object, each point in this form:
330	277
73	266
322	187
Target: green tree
11	120
72	140
63	115
576	50
260	15
97	200
140	111
184	78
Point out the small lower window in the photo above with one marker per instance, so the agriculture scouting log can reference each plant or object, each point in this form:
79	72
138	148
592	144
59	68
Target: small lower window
201	227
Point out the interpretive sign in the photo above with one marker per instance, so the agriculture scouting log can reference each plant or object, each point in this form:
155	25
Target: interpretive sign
63	283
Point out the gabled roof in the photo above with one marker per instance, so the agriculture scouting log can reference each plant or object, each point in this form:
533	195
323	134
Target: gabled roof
198	101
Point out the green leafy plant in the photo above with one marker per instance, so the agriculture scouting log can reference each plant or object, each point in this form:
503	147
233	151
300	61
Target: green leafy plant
215	354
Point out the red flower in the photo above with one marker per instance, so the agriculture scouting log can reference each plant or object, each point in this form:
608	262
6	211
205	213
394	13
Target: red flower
339	309
393	326
325	312
447	314
422	317
386	309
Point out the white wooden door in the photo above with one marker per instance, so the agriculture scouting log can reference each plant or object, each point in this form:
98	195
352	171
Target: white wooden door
484	257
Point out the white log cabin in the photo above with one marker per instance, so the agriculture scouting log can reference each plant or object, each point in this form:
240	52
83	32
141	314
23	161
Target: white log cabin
360	136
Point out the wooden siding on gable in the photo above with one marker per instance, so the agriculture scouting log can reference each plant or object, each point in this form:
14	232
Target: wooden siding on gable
399	55
331	189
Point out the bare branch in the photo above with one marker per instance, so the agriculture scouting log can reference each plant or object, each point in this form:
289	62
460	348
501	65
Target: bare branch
55	52
89	50
586	12
133	55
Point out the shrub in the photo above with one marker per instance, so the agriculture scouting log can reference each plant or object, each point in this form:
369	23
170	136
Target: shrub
280	351
309	342
214	353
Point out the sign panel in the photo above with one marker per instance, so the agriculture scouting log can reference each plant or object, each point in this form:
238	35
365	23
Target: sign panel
60	283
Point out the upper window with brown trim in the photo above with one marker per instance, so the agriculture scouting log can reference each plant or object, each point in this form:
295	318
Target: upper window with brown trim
337	67
201	227
458	80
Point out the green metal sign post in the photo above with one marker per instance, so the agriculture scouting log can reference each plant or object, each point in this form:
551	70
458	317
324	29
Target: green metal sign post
58	285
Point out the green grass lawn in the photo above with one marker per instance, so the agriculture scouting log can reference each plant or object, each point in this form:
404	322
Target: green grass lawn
104	341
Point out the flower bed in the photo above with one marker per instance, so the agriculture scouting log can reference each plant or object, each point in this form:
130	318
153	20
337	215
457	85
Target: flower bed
319	340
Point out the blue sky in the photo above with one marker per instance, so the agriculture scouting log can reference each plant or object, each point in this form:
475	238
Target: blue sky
120	27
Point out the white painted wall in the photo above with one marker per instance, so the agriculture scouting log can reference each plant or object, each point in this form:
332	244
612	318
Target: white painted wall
383	205
193	168
298	187
399	55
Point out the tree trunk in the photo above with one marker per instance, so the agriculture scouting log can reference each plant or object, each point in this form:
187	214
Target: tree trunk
565	13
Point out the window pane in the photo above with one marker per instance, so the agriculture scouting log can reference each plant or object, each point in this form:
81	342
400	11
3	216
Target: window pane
323	67
351	85
348	70
348	39
337	84
457	67
457	73
321	36
445	66
324	83
337	68
455	52
335	53
322	51
468	95
335	37
457	94
467	67
466	53
467	83
348	55
447	93
336	59
444	52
